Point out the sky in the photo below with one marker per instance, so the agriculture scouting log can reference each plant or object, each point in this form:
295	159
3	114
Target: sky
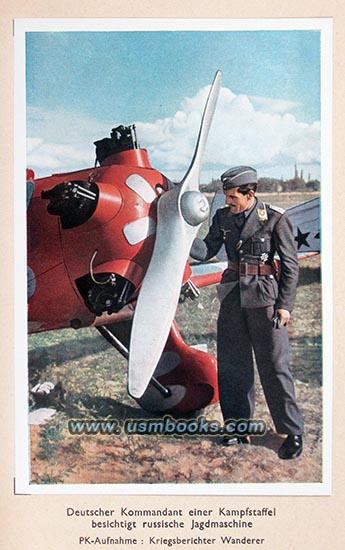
81	84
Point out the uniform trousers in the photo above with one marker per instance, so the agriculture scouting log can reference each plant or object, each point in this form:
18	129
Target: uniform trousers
240	332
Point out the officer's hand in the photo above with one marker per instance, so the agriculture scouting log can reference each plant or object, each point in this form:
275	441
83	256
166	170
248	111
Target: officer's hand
198	250
284	316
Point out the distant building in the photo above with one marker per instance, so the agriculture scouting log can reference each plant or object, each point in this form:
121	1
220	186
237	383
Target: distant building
298	178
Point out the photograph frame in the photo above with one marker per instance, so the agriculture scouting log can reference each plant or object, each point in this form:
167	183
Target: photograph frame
53	25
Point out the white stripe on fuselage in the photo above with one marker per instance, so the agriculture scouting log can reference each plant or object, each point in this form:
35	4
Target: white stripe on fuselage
141	187
139	230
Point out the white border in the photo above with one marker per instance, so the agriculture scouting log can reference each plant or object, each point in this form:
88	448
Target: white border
95	25
324	25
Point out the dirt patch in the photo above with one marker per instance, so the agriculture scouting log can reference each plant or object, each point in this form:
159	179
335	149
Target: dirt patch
169	459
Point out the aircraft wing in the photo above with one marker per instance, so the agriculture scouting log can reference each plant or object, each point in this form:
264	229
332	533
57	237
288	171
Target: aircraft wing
305	218
210	273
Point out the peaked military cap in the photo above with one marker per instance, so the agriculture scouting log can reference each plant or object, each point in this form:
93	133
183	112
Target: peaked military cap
240	175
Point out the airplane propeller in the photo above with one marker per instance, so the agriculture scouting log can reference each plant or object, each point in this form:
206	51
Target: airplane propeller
180	212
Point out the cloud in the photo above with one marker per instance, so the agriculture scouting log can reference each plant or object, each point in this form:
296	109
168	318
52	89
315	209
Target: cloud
246	130
60	141
269	105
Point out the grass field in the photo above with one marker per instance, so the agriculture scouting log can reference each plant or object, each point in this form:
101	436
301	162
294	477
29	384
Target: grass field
93	378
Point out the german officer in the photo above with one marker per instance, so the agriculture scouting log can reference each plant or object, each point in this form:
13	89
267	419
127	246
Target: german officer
255	306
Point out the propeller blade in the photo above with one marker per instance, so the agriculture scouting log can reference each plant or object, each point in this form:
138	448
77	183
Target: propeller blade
180	211
192	177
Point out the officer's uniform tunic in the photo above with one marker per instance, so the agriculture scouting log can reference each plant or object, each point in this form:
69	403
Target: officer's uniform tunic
248	302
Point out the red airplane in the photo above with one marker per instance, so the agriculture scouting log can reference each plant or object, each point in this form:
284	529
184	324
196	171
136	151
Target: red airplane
108	248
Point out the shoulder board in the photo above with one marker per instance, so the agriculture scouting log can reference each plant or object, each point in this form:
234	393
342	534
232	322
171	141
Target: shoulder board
276	209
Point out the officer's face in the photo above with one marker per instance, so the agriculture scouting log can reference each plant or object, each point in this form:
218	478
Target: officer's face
238	202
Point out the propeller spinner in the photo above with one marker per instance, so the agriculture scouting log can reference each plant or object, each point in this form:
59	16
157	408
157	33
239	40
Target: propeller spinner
180	211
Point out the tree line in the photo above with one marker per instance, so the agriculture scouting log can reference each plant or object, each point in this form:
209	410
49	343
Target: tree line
270	185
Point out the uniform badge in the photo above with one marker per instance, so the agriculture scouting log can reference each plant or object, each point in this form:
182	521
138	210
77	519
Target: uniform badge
262	214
